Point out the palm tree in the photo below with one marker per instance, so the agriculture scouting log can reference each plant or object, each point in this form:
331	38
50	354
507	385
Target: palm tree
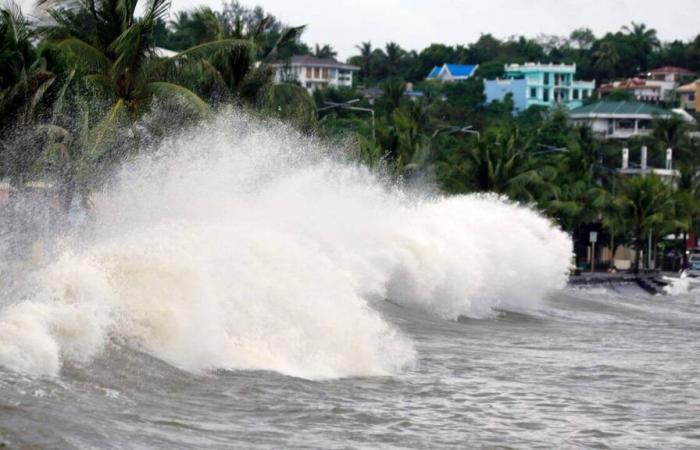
606	58
647	204
195	27
365	49
670	132
394	53
117	50
643	39
244	73
24	80
500	162
325	51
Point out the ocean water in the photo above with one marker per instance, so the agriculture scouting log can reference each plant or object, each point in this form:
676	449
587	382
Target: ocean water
244	287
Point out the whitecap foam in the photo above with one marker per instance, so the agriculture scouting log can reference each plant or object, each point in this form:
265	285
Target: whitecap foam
246	246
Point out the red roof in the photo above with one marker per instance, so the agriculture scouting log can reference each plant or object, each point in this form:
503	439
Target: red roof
629	84
671	69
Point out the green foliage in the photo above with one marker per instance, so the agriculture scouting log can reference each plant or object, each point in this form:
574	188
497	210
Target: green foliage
89	88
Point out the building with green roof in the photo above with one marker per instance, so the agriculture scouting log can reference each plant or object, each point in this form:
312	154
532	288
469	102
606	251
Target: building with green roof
618	120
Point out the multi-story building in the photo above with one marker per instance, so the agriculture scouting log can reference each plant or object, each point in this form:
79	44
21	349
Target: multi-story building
540	84
314	73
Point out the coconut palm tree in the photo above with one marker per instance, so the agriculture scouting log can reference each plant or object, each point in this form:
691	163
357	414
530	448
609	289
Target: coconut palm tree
606	58
24	81
643	39
23	75
394	53
325	51
647	205
242	74
365	49
500	162
670	132
116	50
190	28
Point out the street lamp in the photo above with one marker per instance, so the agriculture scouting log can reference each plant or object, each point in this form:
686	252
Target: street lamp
457	129
347	105
550	149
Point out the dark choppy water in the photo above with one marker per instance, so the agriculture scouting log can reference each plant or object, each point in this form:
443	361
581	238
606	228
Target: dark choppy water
591	369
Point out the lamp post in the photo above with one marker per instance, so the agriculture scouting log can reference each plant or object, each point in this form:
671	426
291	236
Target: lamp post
348	105
550	149
457	129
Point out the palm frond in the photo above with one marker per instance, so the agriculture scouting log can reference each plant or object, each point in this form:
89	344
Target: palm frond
161	88
93	59
210	49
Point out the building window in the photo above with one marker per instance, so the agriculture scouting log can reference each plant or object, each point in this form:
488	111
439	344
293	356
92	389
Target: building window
317	72
625	124
533	92
585	93
575	94
691	98
308	72
545	95
644	124
546	78
309	85
325	73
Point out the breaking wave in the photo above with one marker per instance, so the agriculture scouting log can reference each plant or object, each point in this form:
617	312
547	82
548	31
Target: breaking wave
243	245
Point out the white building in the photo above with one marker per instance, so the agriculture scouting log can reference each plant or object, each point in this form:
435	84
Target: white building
643	90
618	120
314	73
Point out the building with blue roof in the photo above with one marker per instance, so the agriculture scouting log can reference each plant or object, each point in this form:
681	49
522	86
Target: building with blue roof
452	72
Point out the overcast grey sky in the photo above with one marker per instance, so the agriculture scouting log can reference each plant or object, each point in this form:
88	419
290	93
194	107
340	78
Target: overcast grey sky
414	24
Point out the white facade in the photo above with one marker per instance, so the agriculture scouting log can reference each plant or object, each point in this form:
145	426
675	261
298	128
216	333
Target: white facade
643	90
315	73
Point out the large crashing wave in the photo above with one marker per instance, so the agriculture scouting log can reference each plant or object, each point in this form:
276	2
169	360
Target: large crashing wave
245	246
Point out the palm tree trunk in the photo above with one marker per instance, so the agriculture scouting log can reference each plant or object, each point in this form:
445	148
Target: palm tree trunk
637	249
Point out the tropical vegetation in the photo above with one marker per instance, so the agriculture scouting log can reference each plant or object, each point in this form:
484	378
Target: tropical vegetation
78	86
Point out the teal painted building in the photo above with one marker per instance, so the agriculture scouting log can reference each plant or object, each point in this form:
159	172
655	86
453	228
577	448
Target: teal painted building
545	85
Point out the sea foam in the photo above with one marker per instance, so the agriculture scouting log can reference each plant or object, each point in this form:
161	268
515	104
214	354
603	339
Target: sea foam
245	246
